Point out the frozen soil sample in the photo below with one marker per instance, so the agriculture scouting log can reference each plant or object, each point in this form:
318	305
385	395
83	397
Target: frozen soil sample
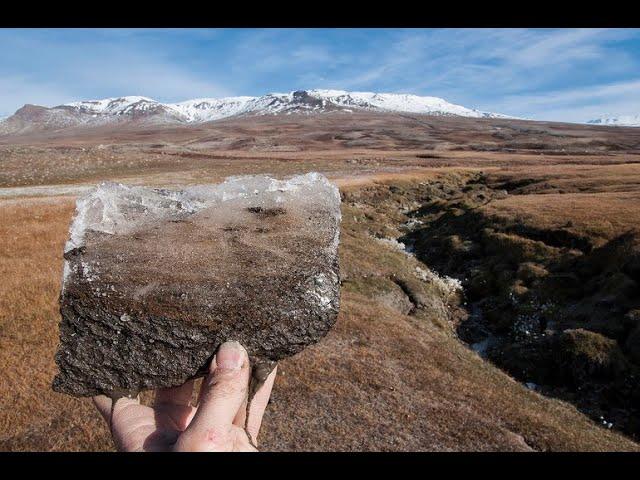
155	280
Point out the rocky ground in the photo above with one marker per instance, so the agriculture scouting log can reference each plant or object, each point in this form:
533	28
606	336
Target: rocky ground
489	289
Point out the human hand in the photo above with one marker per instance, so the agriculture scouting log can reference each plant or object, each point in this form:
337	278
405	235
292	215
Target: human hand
215	424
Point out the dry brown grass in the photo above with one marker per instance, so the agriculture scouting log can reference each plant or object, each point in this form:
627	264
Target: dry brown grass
379	381
594	202
32	234
599	217
384	381
335	144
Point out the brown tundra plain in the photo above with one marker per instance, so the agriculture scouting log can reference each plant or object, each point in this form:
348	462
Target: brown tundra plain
490	273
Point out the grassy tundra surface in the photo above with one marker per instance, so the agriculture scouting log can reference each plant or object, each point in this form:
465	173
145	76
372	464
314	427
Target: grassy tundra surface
501	208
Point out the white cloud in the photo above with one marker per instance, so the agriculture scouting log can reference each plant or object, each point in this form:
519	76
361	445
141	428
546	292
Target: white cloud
579	104
62	70
493	69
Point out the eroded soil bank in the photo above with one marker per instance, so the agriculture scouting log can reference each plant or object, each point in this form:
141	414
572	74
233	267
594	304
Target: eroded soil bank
554	304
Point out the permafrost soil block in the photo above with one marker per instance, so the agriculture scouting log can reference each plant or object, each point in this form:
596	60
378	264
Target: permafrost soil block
155	280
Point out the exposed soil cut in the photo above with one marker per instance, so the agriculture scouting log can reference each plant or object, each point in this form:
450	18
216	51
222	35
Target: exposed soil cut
557	308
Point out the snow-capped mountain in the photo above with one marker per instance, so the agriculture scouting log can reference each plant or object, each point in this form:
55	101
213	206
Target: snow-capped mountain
619	121
394	102
147	110
207	109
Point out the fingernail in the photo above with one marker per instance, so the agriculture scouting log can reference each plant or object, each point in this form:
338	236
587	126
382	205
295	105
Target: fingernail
230	355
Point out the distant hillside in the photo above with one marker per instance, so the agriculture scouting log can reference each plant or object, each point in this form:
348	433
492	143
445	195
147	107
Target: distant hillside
145	110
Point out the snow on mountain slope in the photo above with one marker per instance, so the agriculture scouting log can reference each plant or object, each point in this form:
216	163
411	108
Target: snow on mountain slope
147	110
398	103
206	109
112	106
620	121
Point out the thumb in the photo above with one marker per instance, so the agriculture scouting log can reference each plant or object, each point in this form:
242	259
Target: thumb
223	393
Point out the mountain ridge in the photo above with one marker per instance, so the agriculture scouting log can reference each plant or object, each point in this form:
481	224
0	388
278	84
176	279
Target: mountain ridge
147	110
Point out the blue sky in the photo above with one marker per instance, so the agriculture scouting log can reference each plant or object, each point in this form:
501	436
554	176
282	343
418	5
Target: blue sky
567	74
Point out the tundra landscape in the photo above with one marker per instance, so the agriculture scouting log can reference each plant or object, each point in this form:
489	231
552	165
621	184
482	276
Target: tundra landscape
489	272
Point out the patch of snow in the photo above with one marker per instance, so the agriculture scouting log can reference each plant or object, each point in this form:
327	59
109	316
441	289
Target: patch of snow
412	223
393	243
482	346
451	284
617	121
605	422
